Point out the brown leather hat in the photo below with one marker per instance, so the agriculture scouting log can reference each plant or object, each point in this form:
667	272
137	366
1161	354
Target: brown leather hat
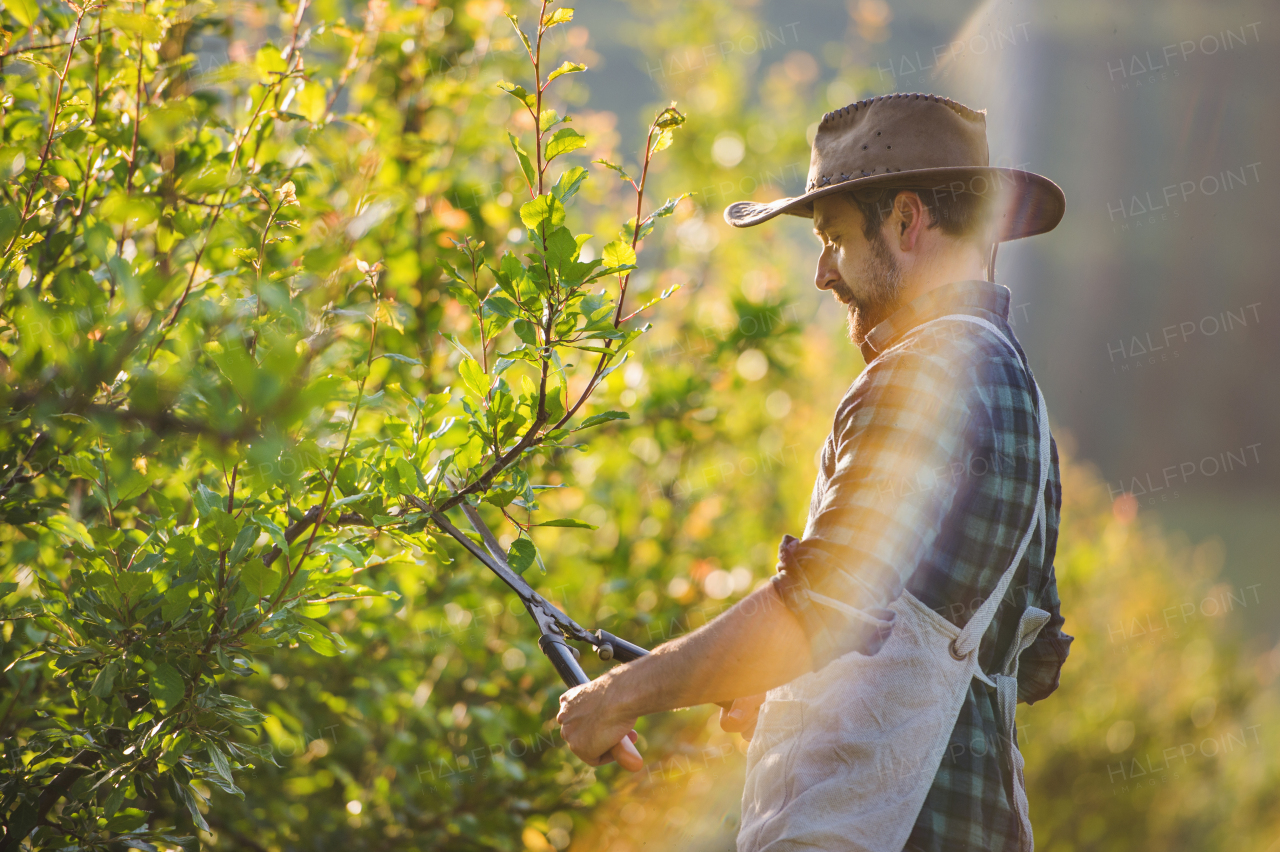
921	141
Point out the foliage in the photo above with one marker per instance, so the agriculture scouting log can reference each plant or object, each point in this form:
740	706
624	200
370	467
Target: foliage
221	417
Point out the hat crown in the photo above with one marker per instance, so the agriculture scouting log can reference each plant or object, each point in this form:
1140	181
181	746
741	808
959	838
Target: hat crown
895	133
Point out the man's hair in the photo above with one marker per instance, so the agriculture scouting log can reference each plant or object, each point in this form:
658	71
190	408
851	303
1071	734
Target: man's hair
964	214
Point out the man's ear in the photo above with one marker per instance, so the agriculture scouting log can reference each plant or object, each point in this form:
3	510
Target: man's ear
910	218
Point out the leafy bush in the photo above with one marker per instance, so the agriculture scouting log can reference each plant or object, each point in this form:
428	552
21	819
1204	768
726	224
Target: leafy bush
232	400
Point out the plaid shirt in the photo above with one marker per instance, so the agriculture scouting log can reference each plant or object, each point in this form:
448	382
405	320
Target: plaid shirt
927	483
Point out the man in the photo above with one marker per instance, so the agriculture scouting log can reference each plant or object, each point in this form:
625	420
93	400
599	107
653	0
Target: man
921	603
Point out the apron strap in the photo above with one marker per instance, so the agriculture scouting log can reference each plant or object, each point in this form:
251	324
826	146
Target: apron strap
973	631
1032	618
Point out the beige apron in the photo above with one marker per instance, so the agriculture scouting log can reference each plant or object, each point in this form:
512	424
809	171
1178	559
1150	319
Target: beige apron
843	757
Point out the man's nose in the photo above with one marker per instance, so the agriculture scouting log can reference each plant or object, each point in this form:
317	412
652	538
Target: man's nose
827	274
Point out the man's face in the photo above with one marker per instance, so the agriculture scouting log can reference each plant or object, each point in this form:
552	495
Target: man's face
863	274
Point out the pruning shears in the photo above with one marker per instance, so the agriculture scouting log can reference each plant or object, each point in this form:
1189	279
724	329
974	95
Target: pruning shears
554	626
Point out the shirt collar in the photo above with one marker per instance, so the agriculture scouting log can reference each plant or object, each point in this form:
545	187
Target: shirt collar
961	297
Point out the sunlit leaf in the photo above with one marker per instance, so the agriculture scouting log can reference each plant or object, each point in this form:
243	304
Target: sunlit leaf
559	16
544	211
526	167
618	253
566	67
565	140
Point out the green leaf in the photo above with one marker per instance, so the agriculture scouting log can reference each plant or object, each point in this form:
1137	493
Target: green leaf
311	101
184	793
9	219
220	763
116	799
163	504
453	273
566	139
466	353
70	528
663	142
622	173
526	167
562	248
219	529
134	584
668	208
473	376
177	601
128	819
559	16
318	638
518	92
206	501
167	687
133	486
521	555
618	253
515	22
543	209
571	523
606	417
670	118
260	579
26	11
403	359
646	228
501	306
566	67
244	540
567	184
548	119
349	499
312	610
526	332
102	683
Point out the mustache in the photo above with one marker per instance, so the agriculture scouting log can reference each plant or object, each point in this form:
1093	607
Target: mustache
843	293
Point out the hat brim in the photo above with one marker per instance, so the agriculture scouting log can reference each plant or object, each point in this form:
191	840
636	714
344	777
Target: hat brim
1033	204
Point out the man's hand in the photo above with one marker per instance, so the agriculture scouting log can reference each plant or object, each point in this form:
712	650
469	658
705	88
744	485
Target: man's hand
595	729
755	646
742	716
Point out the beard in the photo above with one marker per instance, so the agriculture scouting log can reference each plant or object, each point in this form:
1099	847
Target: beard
882	281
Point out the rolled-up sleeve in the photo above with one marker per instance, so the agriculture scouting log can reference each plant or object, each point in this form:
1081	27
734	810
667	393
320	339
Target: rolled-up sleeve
885	487
1040	665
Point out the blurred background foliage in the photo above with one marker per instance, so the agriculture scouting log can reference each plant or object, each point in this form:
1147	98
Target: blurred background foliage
432	729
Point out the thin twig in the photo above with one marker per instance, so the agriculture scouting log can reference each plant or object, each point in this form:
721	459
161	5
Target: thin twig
33	48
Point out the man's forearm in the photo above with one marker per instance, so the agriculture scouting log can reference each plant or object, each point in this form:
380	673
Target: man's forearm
754	646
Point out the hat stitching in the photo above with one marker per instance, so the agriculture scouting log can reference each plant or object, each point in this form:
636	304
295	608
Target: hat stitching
958	108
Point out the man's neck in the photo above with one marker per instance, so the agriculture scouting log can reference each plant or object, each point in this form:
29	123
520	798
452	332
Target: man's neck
940	270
